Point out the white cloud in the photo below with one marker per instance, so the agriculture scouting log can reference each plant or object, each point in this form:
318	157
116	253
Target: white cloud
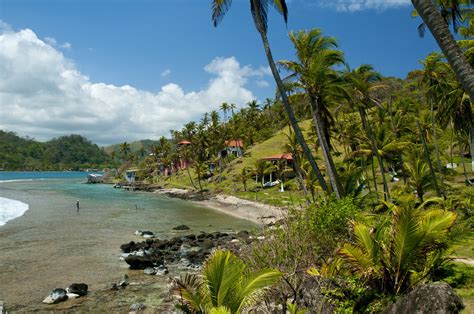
52	42
359	5
43	95
166	72
262	83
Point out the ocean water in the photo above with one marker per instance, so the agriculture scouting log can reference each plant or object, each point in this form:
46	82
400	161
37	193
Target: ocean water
46	243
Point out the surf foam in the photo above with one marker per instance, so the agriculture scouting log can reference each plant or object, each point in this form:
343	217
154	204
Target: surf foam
11	209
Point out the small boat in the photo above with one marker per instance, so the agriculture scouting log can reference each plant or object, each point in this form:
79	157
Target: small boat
95	178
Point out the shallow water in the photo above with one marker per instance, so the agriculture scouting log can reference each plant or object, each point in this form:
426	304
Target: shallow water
53	245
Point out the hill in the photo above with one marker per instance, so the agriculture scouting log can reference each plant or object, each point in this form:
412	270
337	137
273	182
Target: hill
72	152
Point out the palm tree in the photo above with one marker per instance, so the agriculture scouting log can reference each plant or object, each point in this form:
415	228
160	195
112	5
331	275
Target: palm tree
224	285
314	73
225	107
440	30
401	251
363	81
433	75
259	9
125	150
419	175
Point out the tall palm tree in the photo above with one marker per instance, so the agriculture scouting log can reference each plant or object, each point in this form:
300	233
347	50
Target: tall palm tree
313	72
224	285
433	75
363	81
259	9
125	150
225	108
440	30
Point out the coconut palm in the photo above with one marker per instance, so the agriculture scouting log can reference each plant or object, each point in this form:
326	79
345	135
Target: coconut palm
125	150
363	82
314	73
440	30
402	250
434	76
419	175
224	285
259	10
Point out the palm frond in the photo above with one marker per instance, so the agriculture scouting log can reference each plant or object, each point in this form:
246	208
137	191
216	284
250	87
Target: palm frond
219	9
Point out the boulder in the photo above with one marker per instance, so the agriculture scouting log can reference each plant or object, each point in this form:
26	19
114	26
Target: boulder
437	297
149	271
78	288
139	262
56	296
137	307
162	270
181	227
124	282
72	295
127	247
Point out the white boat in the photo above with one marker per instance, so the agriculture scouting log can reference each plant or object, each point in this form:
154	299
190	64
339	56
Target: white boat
95	178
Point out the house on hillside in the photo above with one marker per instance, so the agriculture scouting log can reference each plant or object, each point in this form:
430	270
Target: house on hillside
182	162
276	160
233	147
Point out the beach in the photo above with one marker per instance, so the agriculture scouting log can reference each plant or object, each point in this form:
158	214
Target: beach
53	245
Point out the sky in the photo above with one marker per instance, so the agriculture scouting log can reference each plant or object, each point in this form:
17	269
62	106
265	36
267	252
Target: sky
124	70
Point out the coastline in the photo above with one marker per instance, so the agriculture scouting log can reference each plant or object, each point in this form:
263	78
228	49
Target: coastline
259	213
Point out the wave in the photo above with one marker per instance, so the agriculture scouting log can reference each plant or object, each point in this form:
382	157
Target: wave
11	209
16	180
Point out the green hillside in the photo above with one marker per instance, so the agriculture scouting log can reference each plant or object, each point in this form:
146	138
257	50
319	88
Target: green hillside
64	153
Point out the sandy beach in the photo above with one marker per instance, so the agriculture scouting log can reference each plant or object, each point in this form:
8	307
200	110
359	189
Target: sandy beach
258	213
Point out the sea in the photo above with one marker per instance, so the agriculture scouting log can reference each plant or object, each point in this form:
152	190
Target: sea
45	242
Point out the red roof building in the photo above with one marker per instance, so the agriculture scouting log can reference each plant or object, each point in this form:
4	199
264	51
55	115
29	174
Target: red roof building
286	156
184	142
234	143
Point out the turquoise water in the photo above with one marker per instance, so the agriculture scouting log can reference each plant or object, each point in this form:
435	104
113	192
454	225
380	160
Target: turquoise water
52	244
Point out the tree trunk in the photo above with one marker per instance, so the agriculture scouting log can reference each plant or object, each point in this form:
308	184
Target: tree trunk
471	146
324	143
300	180
375	152
435	140
427	155
286	103
440	31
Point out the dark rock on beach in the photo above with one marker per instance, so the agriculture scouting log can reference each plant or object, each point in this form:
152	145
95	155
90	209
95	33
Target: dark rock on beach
181	227
56	296
78	288
141	262
190	250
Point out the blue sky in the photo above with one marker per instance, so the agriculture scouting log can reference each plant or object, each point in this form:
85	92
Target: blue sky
150	44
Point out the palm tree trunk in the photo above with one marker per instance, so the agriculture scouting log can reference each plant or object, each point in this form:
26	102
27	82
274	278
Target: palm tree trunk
324	143
427	155
286	104
375	152
461	154
471	146
435	140
440	30
300	180
374	177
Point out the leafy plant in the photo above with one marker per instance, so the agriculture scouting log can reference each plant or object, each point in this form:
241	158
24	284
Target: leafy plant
401	251
224	285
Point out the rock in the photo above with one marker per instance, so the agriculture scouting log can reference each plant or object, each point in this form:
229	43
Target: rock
128	247
137	307
437	297
162	270
78	288
234	241
56	296
72	295
207	244
149	271
138	233
124	282
114	287
139	262
181	227
147	234
243	234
